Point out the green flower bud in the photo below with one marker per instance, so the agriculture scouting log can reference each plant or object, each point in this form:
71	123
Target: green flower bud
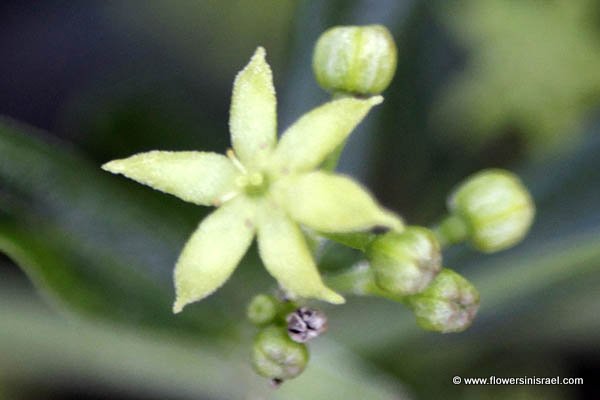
276	356
495	209
405	263
449	304
262	309
355	59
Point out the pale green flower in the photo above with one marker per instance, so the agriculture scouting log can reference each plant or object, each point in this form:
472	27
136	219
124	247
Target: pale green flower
263	188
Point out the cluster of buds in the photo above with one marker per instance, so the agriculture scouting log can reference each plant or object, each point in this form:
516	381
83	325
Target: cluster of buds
280	352
408	266
492	210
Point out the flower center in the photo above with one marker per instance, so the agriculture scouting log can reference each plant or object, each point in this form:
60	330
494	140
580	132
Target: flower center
253	184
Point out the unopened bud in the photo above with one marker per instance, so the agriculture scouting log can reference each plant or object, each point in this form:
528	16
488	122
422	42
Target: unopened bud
276	356
262	309
355	59
449	304
495	208
405	263
305	324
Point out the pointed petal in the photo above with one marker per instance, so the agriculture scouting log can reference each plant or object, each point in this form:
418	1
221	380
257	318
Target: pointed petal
334	203
193	176
253	115
213	251
306	143
286	256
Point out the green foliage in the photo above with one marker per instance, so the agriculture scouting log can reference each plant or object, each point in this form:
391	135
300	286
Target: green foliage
532	65
81	244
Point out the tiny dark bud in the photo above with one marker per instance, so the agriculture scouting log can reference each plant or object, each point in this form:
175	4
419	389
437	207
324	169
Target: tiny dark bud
276	382
305	324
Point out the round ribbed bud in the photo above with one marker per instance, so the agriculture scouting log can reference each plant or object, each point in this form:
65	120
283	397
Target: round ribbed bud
305	324
276	356
355	59
405	263
495	209
262	309
449	304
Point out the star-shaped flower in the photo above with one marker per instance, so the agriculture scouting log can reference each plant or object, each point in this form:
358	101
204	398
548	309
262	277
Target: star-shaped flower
264	189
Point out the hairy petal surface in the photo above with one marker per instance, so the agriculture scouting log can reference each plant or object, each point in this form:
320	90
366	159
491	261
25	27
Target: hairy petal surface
286	256
306	143
334	203
253	114
213	251
198	177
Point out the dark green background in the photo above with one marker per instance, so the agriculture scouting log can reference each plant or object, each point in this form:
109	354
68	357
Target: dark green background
85	82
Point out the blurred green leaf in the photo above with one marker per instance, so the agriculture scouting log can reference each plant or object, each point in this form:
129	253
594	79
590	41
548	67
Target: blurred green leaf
533	66
236	25
86	241
36	344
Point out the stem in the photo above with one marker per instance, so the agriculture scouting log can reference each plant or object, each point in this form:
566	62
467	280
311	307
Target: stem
355	240
451	230
359	281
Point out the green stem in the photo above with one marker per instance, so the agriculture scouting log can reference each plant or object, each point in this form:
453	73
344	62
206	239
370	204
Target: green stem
359	281
451	230
355	240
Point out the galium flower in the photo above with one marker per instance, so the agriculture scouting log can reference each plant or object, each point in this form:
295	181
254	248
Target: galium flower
263	188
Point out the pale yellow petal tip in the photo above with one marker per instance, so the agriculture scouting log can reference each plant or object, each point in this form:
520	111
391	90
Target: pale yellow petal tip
257	62
375	100
115	166
260	52
178	306
395	222
332	297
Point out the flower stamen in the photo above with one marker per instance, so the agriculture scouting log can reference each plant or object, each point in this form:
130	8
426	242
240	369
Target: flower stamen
226	197
231	155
